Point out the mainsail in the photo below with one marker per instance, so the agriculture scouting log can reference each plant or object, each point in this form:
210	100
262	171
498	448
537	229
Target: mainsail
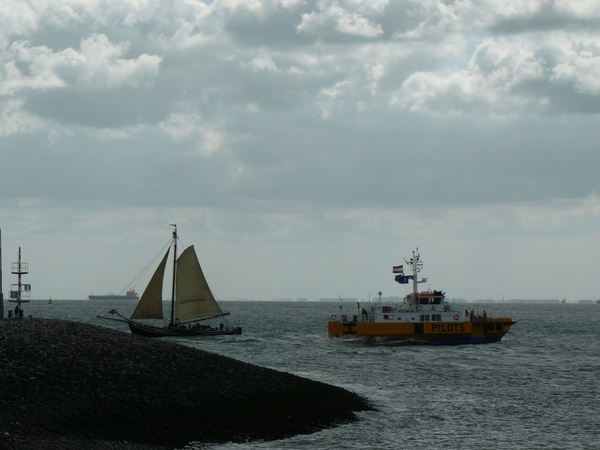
150	305
193	298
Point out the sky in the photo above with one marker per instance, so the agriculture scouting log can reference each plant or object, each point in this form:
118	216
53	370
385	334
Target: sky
303	147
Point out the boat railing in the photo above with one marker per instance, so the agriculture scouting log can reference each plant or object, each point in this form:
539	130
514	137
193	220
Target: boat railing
353	318
376	314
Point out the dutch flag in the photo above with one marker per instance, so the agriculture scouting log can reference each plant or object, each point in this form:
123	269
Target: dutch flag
398	269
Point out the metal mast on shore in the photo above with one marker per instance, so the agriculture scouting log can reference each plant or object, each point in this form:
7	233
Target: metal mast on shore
19	293
1	291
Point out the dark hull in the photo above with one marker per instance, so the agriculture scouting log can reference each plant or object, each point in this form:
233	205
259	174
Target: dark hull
112	297
150	331
414	341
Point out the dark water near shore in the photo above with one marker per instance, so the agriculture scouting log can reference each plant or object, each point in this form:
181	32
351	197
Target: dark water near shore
538	388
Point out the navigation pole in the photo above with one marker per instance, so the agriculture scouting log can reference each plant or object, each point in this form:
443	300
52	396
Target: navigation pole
19	293
1	292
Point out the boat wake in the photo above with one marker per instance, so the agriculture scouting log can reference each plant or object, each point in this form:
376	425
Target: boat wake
356	341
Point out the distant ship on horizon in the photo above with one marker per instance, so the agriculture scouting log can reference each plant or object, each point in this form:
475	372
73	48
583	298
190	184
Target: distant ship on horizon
129	295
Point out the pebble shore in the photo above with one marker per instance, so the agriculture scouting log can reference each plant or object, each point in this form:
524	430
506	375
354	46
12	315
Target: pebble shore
68	385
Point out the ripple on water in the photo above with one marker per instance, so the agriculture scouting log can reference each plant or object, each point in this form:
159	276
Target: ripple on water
538	388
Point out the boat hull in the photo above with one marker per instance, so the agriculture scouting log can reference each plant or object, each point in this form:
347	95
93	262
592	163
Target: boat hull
150	331
438	333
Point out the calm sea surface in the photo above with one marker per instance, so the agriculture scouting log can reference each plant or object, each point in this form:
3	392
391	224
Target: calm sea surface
538	388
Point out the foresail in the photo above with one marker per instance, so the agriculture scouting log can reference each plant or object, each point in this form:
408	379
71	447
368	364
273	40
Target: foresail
150	305
193	296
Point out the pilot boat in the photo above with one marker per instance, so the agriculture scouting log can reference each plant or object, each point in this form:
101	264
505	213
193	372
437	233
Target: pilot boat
422	318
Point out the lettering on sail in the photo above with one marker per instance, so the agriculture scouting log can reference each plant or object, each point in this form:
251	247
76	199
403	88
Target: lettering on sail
192	300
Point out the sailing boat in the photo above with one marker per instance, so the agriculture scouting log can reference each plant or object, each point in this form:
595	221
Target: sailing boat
191	300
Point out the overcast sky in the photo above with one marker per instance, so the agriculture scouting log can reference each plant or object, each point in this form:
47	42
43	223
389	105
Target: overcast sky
303	147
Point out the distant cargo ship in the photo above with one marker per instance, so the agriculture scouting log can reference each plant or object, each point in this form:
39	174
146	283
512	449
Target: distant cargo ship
129	295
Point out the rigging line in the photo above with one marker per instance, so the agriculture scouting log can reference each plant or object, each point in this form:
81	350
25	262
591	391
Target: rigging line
136	280
183	246
150	264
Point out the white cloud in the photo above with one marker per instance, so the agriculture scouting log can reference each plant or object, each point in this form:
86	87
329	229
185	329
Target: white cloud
39	75
349	17
13	120
98	65
582	9
497	79
334	97
510	8
193	25
589	207
435	19
579	65
258	9
16	18
205	139
263	63
181	126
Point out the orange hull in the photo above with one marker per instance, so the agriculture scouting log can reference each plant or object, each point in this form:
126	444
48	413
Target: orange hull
463	332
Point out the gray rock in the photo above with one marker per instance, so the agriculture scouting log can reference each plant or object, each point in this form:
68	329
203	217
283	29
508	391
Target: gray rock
68	385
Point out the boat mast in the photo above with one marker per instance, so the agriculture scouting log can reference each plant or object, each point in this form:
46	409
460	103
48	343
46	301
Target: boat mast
174	273
416	265
415	261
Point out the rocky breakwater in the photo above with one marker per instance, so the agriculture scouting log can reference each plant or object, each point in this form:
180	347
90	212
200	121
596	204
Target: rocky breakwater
73	385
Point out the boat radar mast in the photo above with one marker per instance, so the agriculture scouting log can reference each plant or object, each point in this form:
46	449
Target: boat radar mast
416	265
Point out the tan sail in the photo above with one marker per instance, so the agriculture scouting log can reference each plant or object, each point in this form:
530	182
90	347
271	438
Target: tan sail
150	304
193	296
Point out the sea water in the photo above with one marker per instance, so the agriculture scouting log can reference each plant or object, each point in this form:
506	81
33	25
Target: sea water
537	388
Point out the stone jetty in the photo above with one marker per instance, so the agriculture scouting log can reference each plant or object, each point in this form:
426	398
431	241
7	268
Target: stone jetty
68	385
